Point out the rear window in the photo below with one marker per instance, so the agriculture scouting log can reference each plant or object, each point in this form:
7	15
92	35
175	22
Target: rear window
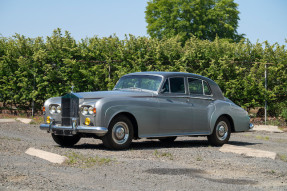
198	87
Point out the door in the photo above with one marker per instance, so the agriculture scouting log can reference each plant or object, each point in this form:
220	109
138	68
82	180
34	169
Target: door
175	110
202	108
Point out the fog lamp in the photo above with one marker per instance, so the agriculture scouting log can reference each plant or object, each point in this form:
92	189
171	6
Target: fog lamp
48	119
87	121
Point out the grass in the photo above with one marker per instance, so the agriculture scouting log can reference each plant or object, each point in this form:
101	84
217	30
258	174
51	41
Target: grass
266	138
77	159
35	120
159	154
275	122
279	121
10	138
199	158
283	157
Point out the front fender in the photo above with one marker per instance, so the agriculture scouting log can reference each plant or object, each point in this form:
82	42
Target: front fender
144	110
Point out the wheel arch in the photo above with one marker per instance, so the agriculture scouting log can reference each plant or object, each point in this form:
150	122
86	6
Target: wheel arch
229	118
133	120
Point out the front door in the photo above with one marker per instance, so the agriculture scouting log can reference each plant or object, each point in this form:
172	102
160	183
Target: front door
175	110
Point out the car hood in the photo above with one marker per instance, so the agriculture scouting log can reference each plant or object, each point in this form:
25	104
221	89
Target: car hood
114	93
92	97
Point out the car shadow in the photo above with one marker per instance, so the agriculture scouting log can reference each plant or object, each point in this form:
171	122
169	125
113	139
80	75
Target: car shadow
154	144
240	143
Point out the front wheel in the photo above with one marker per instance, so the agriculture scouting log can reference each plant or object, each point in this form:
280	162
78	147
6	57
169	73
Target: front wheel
66	141
120	134
221	132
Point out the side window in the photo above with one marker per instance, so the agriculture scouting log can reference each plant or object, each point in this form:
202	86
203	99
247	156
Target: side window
177	85
206	88
195	86
165	86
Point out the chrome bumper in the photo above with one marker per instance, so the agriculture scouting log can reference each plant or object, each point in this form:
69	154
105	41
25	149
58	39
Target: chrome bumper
72	130
251	126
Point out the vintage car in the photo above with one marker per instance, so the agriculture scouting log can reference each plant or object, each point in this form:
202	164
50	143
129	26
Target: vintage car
159	105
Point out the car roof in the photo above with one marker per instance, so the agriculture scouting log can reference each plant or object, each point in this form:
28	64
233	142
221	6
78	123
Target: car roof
217	93
171	74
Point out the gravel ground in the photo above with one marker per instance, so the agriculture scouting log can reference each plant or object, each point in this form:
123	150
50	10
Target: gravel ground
187	164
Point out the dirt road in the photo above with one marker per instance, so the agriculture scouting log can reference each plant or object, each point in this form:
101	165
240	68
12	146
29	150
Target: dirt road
187	164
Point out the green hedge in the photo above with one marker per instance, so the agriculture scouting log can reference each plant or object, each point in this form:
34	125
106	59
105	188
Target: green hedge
36	69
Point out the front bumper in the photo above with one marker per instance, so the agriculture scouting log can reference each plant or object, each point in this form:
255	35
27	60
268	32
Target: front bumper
72	130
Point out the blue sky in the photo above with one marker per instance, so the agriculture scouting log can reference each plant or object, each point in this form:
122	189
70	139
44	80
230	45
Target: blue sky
259	19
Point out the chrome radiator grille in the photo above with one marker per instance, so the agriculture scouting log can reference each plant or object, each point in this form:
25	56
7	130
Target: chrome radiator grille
70	109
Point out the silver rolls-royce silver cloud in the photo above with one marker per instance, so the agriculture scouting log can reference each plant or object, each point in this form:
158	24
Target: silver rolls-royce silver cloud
158	105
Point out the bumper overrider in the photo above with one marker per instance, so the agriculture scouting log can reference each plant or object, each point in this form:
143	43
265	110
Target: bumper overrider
72	130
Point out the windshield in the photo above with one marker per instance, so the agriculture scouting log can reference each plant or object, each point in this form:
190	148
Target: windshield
141	82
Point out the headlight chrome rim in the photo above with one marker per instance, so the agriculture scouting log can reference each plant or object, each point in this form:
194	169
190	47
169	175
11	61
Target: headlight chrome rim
59	109
87	110
53	109
91	110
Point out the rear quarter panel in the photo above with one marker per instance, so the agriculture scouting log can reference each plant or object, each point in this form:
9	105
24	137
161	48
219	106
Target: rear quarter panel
239	116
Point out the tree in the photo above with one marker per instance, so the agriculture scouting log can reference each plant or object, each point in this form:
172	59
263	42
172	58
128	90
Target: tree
204	19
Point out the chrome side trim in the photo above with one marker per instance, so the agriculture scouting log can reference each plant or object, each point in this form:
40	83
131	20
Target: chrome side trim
204	98
205	133
100	131
186	96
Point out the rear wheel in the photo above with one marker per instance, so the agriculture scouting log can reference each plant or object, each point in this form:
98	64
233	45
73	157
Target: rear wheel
120	134
221	132
66	141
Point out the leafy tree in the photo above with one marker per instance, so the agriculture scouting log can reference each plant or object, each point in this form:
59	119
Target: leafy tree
204	19
32	70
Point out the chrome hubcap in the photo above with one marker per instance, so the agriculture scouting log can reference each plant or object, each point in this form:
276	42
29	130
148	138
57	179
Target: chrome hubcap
120	132
222	130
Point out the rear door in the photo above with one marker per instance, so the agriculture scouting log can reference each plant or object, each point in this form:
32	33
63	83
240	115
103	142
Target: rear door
202	106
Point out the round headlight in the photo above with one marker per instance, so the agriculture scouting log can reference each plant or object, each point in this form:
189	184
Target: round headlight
91	110
85	111
53	109
59	109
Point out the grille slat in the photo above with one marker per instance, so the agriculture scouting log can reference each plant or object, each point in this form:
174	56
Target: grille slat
70	109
